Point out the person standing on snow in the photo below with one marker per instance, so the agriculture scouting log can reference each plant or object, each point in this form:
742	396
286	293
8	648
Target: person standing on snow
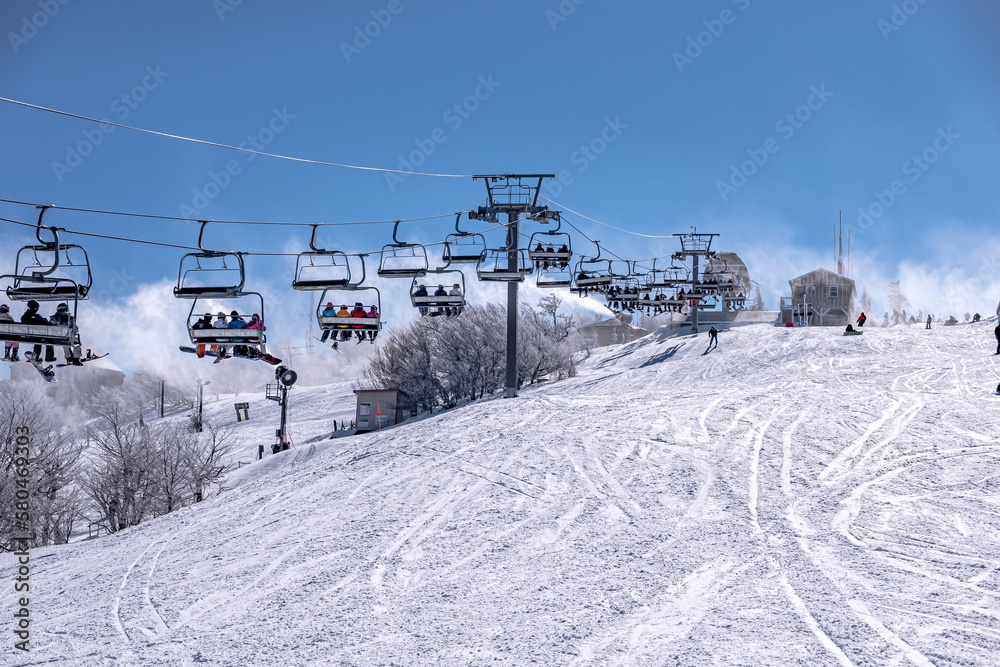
996	332
713	337
861	320
929	320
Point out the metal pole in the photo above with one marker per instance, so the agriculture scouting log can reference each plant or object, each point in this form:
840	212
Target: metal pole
284	413
512	266
694	287
163	389
201	389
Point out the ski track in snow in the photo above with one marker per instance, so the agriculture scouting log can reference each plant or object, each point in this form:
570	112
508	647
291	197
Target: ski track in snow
795	497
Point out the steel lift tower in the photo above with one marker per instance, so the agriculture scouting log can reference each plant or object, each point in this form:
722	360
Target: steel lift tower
695	246
512	194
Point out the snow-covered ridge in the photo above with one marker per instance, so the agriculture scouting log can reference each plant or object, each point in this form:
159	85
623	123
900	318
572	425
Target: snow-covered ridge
792	497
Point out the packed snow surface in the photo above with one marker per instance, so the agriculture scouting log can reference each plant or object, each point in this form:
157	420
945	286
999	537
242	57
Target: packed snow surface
792	497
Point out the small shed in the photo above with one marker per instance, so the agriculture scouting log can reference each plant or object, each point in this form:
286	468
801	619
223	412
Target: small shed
820	297
381	408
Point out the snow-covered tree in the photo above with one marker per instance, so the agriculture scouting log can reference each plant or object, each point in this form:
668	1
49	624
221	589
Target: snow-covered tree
439	361
865	301
52	461
758	299
897	301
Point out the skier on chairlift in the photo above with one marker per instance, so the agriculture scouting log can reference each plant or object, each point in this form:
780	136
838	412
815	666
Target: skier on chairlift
220	323
421	291
440	291
345	334
359	311
456	291
10	348
329	311
373	313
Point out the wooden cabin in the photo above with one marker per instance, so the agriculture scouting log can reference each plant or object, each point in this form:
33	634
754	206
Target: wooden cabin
819	298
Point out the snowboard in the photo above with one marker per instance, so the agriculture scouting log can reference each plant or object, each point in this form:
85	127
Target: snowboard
45	371
853	333
267	358
84	360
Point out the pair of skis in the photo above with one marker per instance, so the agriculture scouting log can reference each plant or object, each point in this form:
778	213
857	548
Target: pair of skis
267	358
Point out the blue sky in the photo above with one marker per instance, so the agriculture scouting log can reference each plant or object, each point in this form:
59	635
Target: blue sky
645	107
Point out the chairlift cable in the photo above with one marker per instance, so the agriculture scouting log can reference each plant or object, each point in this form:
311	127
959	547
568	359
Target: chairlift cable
234	148
227	222
186	247
626	231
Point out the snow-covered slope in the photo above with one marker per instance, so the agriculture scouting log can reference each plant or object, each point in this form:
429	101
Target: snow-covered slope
792	497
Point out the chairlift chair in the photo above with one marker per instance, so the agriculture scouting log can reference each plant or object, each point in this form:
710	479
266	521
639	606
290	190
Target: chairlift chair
254	338
359	294
463	247
50	271
319	269
493	266
596	280
43	334
547	247
671	277
434	304
210	274
402	260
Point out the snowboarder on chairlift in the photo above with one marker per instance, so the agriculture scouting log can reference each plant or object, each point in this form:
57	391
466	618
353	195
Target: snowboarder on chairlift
31	316
861	320
10	347
237	322
204	323
63	318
